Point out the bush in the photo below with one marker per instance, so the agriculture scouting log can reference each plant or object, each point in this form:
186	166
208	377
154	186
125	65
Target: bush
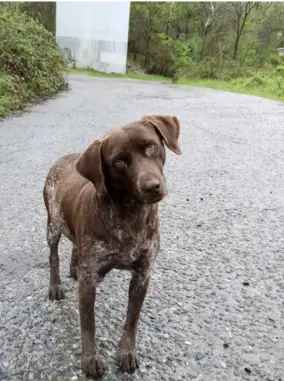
274	59
280	71
30	64
269	80
8	98
168	55
210	68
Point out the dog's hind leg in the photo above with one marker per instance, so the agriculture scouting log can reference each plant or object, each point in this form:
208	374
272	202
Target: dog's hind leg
53	237
74	262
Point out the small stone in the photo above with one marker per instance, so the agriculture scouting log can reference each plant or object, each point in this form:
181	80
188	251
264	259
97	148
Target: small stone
187	343
74	378
5	364
223	365
247	370
251	359
192	375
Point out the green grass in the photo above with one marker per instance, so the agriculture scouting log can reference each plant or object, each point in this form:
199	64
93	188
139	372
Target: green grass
236	86
267	85
266	89
96	73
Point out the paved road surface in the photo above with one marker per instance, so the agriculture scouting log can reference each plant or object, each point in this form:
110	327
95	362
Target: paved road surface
216	302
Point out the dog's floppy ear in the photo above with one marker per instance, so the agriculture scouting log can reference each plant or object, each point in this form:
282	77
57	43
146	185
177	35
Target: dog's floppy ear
89	165
169	128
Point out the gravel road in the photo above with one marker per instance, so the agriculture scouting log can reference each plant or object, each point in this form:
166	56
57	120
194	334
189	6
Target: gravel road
215	310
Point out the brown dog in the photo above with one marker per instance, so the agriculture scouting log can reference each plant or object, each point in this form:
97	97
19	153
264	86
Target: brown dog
105	202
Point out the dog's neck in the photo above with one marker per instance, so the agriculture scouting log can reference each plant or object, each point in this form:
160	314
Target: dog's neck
124	202
126	206
116	207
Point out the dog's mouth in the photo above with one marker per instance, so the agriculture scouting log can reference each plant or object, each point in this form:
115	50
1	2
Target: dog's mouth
147	201
153	199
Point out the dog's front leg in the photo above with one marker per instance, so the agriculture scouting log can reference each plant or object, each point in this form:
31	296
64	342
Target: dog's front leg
92	364
127	358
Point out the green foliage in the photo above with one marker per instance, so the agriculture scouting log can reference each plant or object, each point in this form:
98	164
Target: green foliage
241	85
210	68
43	12
274	59
30	64
228	41
270	79
280	71
169	55
8	98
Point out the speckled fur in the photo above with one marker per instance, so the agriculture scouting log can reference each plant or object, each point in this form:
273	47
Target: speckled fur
111	217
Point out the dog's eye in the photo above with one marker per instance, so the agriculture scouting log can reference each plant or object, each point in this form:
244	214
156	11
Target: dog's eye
120	163
151	149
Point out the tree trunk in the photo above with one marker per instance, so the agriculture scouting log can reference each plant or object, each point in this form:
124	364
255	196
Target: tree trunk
146	50
203	43
135	55
236	47
244	12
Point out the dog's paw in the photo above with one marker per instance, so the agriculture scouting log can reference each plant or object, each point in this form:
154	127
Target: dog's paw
56	292
93	366
127	361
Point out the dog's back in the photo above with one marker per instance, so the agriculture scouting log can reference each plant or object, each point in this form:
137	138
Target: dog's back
61	177
62	185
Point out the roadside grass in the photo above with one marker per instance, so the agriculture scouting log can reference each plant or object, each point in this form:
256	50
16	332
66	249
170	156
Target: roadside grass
96	73
266	85
270	88
236	86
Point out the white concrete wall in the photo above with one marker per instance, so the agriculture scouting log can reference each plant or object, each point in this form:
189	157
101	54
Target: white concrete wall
95	32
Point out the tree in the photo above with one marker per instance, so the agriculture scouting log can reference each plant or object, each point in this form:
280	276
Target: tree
219	40
242	12
43	12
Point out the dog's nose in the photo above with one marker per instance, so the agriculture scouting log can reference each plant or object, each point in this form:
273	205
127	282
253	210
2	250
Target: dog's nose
151	186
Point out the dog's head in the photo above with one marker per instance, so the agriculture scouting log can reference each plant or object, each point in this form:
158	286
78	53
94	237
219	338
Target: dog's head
131	158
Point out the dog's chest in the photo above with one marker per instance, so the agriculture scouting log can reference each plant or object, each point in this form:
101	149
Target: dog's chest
129	249
130	242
